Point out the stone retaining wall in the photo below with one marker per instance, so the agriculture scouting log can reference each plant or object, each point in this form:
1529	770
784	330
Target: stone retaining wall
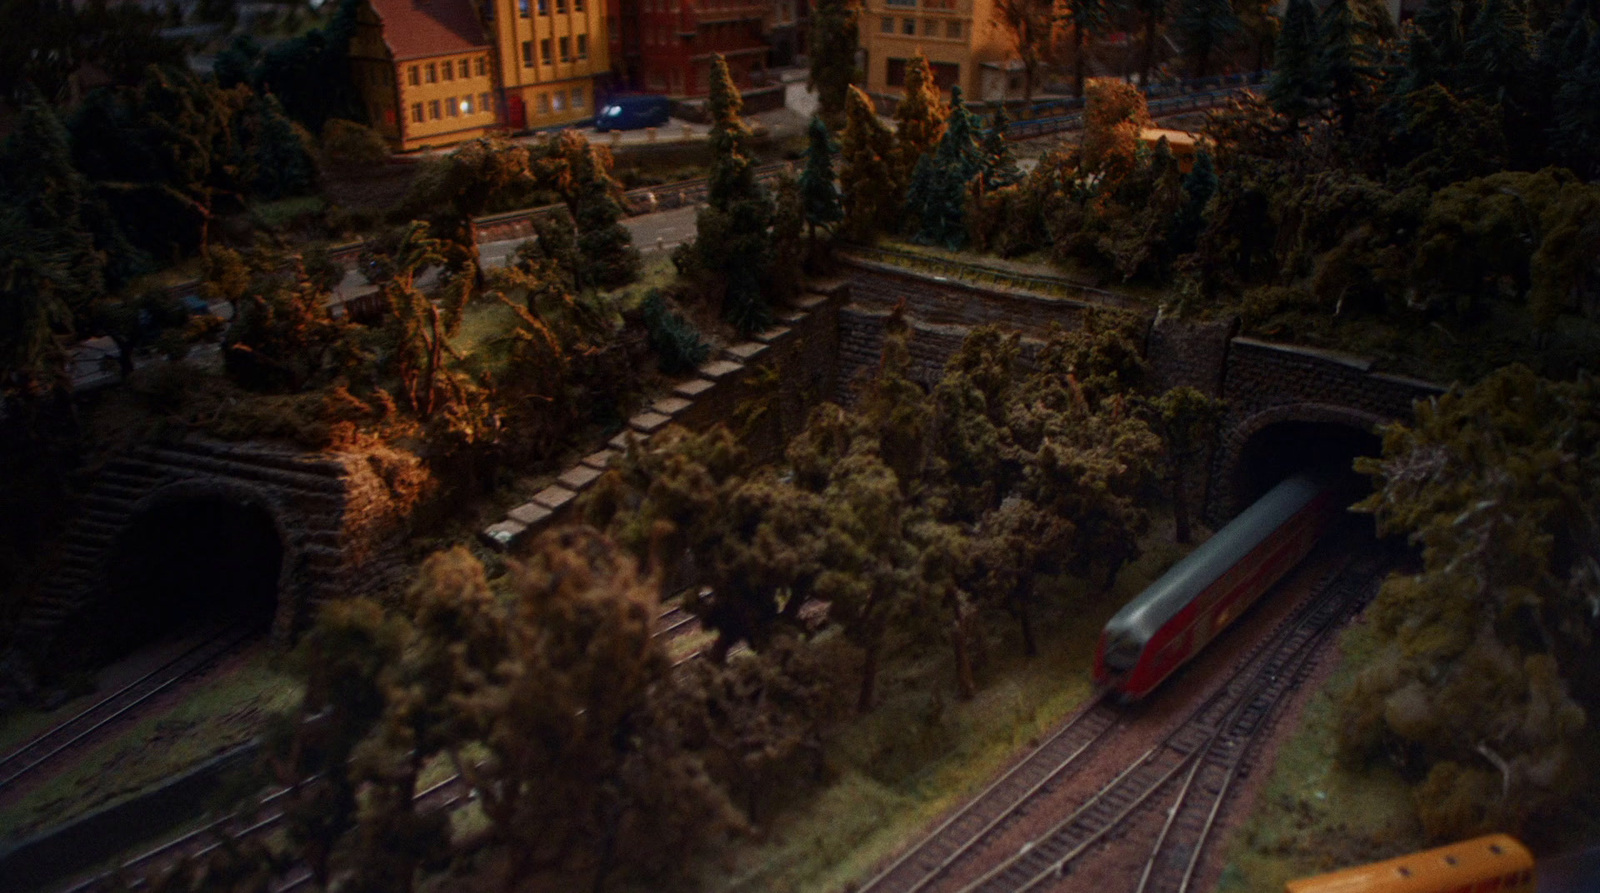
762	388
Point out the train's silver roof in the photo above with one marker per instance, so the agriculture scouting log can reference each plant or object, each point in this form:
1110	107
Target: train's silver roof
1164	598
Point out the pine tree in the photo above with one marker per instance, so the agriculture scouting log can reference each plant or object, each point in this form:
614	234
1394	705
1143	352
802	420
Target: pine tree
919	119
999	168
1576	134
1497	53
818	191
1199	185
1202	27
280	153
938	200
834	38
732	177
1295	83
868	171
1346	60
1439	23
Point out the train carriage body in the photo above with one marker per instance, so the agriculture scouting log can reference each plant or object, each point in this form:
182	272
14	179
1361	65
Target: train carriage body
1167	624
1494	863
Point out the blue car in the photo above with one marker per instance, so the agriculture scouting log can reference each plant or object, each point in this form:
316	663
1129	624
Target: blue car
633	112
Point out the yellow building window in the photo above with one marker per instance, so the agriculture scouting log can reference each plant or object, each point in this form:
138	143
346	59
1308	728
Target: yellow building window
577	97
523	8
577	5
527	54
558	101
887	27
930	28
483	66
483	103
451	109
431	73
952	30
561	5
433	110
583	46
447	70
416	112
544	104
413	76
544	50
566	49
464	68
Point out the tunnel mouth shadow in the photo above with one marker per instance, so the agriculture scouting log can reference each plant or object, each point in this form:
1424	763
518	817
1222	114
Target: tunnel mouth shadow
197	565
1324	449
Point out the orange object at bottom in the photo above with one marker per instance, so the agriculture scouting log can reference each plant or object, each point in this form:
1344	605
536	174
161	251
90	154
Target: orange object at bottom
1495	863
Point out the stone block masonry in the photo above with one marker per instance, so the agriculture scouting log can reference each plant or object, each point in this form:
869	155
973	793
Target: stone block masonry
762	389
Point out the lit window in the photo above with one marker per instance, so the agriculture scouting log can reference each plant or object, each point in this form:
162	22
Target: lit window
451	109
544	50
447	71
466	106
413	76
433	110
566	49
482	66
527	53
430	74
416	112
888	25
583	46
558	101
577	97
908	27
952	30
523	8
544	104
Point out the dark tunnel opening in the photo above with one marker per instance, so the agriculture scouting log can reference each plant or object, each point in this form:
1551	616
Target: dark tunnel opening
1285	448
189	566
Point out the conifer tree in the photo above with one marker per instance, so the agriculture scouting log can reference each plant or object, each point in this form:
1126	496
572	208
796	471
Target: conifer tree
732	178
834	38
937	199
868	171
1199	185
919	119
999	168
1439	23
280	153
1202	26
1577	124
1296	83
819	193
1346	59
1497	53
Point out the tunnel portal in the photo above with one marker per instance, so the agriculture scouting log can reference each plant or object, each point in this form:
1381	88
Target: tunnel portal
1279	450
188	565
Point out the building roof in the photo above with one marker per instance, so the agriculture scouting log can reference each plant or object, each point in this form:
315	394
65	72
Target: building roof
415	29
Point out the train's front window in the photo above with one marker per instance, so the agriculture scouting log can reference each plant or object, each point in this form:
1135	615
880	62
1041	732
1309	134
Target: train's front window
1121	654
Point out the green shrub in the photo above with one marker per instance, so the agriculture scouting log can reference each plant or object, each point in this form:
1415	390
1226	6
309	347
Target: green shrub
678	346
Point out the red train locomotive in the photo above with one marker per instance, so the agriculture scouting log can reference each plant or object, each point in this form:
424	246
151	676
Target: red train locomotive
1168	623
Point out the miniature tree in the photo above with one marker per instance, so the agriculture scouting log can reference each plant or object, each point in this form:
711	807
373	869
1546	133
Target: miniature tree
868	172
581	174
1029	26
1296	75
819	193
1346	61
834	38
1186	421
422	357
1497	58
1087	18
919	118
1577	125
788	247
1203	26
1199	185
999	167
938	195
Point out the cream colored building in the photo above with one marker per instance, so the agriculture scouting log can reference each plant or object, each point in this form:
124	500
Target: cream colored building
441	90
549	53
959	37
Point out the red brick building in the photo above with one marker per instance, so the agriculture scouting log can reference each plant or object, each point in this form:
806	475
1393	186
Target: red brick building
672	42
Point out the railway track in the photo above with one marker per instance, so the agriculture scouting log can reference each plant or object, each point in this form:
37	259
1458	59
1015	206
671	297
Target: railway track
86	726
1202	756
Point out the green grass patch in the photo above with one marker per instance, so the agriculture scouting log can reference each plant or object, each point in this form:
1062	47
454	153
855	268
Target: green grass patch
1316	815
921	751
227	711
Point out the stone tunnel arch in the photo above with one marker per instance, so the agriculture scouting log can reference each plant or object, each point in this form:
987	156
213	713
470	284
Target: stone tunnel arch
198	553
1263	448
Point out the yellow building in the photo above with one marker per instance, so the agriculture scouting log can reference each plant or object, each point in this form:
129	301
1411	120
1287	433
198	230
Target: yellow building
424	70
959	37
548	54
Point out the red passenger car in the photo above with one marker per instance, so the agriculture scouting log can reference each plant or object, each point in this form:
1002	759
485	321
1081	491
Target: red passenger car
1175	617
